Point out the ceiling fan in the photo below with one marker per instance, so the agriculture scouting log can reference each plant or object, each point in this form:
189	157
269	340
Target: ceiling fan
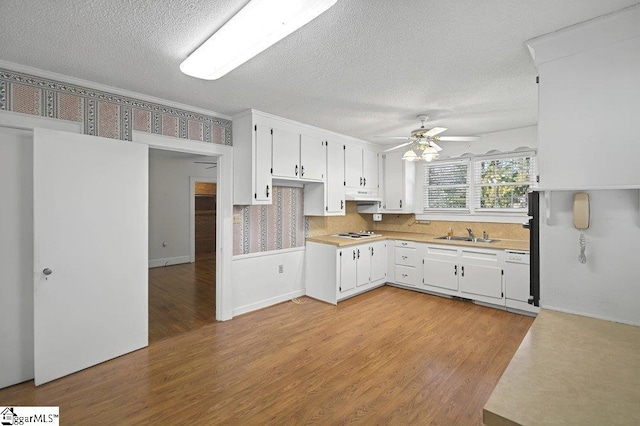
206	162
422	142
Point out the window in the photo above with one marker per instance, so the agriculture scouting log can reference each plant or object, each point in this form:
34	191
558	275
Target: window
502	183
495	183
446	185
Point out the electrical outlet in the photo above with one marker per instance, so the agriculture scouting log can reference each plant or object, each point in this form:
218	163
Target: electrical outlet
280	269
236	219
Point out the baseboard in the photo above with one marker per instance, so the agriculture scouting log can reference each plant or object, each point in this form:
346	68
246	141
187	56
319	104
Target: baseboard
267	302
157	263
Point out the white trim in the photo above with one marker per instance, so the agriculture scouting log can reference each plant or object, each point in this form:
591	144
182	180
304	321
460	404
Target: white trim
268	302
582	314
224	216
192	212
462	217
267	253
12	66
17	120
157	263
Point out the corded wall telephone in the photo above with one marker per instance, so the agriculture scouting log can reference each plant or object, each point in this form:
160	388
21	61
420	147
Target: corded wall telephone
581	220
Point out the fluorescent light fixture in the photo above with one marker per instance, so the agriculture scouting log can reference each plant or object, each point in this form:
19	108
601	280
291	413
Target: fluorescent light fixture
258	25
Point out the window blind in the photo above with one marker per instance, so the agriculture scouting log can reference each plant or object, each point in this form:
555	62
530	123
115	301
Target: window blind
446	185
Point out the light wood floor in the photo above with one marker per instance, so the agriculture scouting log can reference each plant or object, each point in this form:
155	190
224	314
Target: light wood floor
390	356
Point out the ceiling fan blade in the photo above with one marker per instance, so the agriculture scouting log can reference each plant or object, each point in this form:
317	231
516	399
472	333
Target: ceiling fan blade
398	146
390	137
458	138
435	131
435	145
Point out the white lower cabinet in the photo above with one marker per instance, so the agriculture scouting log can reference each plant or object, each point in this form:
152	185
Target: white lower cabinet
465	272
335	273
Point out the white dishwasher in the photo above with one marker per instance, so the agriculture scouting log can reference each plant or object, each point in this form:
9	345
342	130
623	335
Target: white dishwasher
516	277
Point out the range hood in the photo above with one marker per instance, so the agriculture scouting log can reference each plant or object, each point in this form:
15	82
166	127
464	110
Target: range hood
363	195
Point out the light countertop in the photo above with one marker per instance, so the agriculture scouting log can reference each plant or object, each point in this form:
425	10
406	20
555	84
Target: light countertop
570	370
420	238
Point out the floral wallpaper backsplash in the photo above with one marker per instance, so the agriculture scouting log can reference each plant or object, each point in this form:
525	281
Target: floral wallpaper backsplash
280	225
106	114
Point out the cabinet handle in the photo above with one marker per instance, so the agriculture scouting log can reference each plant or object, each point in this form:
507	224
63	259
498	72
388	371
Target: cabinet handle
341	204
302	171
358	253
365	181
296	170
360	180
371	251
404	244
404	275
455	269
354	255
404	257
267	191
462	269
400	203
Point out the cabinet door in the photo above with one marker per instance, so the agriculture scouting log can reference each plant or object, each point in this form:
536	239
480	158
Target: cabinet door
363	258
516	282
262	140
378	260
440	273
348	271
335	177
370	169
393	181
481	280
286	153
313	161
353	166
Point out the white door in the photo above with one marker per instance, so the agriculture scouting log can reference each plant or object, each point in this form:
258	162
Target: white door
370	169
481	280
285	153
313	160
378	260
363	260
441	273
347	270
353	166
393	181
91	238
262	139
335	177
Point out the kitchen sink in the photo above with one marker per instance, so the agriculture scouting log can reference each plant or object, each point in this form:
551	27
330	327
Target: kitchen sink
471	240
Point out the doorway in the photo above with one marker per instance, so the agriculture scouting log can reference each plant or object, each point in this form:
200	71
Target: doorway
182	242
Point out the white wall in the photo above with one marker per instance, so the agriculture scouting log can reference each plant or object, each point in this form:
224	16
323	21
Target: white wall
608	285
169	203
257	282
505	141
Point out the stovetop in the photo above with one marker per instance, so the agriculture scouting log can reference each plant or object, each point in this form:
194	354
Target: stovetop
356	235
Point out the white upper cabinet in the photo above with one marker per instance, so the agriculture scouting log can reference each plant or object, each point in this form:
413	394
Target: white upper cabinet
313	163
361	167
251	159
370	169
285	153
399	178
335	178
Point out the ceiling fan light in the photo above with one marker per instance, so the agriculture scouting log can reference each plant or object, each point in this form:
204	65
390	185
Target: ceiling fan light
429	157
410	156
257	26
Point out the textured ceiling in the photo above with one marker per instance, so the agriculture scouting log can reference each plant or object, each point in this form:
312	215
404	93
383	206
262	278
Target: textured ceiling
363	68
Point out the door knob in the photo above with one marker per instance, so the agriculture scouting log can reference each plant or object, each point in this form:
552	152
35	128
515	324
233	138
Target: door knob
47	271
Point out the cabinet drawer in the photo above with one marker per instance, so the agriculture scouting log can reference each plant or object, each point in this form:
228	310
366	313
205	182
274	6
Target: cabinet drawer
400	243
406	275
405	256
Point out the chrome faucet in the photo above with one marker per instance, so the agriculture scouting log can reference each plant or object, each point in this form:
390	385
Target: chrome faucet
471	233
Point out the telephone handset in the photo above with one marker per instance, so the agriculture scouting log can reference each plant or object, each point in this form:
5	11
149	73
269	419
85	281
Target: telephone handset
581	220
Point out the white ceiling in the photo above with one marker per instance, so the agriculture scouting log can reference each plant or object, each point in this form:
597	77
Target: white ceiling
363	68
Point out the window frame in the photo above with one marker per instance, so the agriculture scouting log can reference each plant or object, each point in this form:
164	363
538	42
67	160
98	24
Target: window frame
473	210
